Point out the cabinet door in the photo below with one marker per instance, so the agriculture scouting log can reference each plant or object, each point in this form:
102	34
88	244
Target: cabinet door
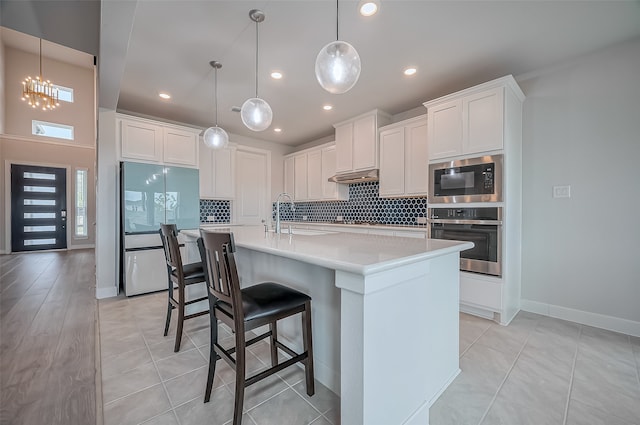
416	159
392	162
224	166
445	129
331	190
482	120
365	143
180	147
314	175
289	171
300	190
205	169
141	140
344	148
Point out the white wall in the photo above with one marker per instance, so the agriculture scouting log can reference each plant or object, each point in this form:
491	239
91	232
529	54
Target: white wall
582	128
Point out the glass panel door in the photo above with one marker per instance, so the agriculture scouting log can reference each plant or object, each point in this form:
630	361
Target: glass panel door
38	208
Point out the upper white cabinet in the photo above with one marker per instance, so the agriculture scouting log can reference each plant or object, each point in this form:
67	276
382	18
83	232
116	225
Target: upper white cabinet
357	141
473	120
404	159
217	172
154	141
306	175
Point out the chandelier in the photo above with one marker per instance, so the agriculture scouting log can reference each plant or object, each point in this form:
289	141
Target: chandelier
38	92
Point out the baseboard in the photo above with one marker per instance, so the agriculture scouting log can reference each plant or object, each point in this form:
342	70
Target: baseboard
477	311
616	324
109	292
87	246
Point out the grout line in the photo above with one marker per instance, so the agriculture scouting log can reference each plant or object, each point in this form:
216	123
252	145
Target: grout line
573	369
493	399
474	341
635	359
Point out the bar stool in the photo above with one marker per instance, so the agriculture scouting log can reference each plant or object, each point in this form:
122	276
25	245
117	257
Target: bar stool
244	310
179	276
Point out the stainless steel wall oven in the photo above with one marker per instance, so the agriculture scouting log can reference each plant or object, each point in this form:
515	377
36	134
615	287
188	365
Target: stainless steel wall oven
482	226
466	180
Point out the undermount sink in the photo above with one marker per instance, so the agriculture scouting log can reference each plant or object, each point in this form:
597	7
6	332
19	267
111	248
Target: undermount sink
306	232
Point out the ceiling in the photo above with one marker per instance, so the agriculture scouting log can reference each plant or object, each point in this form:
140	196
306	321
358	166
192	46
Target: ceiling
147	47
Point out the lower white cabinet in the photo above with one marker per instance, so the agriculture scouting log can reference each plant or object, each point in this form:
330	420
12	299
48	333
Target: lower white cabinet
404	169
217	172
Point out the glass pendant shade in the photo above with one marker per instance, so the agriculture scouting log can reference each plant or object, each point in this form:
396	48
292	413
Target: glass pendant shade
216	138
256	114
338	67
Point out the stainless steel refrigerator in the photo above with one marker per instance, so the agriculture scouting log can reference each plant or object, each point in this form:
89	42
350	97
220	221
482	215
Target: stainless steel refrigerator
150	195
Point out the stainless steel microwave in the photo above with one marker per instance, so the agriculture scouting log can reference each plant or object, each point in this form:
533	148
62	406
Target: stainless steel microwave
466	180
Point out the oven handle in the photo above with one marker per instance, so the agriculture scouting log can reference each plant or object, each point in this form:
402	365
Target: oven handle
450	221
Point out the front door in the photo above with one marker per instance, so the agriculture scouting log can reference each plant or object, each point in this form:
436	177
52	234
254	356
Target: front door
38	208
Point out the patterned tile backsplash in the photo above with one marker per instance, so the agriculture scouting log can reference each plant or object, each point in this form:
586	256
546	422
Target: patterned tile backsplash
215	211
363	205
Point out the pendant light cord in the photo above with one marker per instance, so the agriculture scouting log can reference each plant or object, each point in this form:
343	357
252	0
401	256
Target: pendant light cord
256	59
215	93
337	19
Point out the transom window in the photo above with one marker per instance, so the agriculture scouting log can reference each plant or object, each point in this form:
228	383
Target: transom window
50	129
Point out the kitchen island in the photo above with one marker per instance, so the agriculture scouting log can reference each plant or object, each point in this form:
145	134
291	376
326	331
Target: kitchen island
385	313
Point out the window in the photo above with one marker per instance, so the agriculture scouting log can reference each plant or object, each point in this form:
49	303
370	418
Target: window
49	129
64	93
81	203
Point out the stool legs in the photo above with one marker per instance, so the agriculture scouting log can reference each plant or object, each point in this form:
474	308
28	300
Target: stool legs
213	357
273	327
180	319
308	347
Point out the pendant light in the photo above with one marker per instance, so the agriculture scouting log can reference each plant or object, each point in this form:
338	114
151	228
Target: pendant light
215	137
338	65
39	92
256	113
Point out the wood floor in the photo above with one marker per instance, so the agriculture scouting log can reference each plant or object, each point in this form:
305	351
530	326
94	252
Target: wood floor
48	338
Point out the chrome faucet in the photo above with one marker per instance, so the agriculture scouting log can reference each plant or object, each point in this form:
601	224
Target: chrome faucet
293	208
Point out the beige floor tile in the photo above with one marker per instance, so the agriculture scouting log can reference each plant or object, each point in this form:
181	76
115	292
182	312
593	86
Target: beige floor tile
463	403
582	414
260	391
607	398
592	366
168	418
191	385
122	384
485	366
503	412
285	408
323	400
125	361
179	364
217	411
506	339
137	408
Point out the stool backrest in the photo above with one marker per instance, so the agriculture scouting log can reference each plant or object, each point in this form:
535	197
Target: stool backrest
169	236
217	250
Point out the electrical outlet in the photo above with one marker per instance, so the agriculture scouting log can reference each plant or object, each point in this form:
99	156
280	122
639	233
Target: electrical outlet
421	220
562	191
211	218
339	218
304	218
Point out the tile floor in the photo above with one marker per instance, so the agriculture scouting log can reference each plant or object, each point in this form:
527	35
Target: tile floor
535	371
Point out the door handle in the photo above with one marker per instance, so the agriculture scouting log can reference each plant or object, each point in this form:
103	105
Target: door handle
63	214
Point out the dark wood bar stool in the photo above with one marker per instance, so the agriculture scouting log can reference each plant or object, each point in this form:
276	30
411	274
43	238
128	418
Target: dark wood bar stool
179	276
246	309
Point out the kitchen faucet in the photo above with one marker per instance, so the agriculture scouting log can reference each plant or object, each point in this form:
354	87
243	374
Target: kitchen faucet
293	208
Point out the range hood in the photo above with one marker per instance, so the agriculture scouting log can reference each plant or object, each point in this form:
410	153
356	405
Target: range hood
356	177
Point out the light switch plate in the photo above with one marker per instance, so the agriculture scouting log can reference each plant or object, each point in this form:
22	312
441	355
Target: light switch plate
211	218
562	191
421	220
304	218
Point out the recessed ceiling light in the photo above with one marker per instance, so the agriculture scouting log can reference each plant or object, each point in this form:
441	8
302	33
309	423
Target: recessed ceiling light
327	107
368	7
410	71
277	129
276	75
165	95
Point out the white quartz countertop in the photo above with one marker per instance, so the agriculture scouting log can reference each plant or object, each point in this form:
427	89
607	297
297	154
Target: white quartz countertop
352	252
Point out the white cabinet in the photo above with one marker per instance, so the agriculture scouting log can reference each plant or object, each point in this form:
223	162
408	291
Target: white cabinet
180	147
404	159
140	140
154	141
331	190
357	141
306	175
300	178
217	172
471	121
314	174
